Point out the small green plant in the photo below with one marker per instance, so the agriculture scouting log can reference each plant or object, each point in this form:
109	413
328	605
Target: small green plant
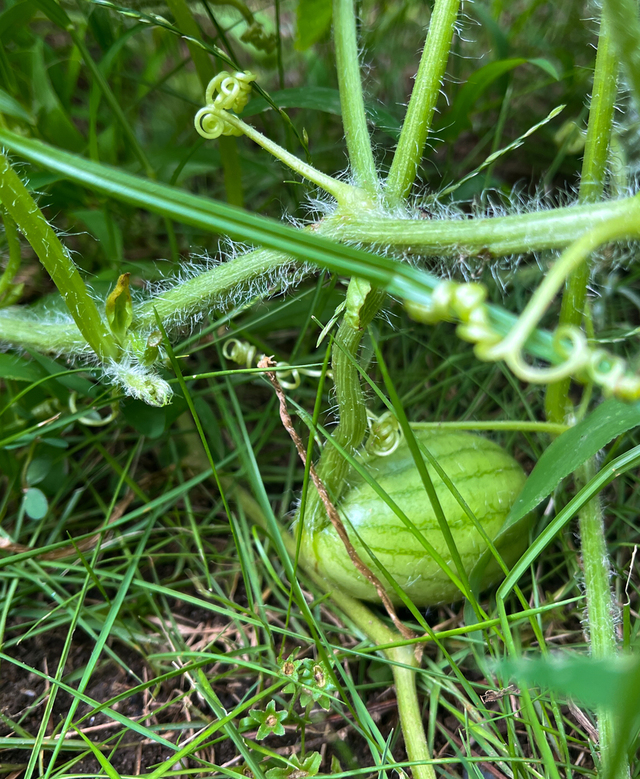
369	222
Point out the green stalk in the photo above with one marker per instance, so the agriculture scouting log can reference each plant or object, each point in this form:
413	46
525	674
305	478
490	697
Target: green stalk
332	467
595	564
13	244
345	194
423	101
206	70
354	118
404	663
594	166
499	236
56	260
592	531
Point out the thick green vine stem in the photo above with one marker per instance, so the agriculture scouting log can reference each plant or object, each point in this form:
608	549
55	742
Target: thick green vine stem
595	560
363	303
423	100
57	261
465	303
597	572
592	181
354	119
10	292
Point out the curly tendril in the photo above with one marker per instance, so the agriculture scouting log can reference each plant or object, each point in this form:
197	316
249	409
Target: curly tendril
233	90
233	93
244	353
384	434
466	303
211	123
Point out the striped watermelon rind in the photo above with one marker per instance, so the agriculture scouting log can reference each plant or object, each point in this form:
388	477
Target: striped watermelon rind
488	479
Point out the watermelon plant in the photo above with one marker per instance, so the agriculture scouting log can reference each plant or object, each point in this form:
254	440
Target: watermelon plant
404	512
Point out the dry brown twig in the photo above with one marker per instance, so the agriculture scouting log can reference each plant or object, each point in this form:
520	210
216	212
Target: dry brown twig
332	512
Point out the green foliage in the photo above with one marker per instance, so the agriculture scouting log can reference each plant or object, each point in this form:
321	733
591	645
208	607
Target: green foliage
143	603
297	768
313	21
269	721
571	449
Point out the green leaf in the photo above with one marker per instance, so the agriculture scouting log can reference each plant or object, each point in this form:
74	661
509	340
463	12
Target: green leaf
66	382
612	683
457	119
109	770
37	471
570	450
313	20
357	292
148	420
10	106
15	17
51	9
104	228
36	504
592	683
297	768
18	369
269	720
119	308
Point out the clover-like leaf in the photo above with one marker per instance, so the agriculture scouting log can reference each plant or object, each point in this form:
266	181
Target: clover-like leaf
297	769
291	669
316	684
269	721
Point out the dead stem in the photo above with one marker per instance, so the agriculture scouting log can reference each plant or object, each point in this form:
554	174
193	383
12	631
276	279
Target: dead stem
332	512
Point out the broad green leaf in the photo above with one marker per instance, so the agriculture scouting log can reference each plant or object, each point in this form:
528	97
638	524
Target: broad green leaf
150	421
68	382
36	504
18	369
51	9
313	20
38	469
613	683
570	450
15	17
592	683
104	228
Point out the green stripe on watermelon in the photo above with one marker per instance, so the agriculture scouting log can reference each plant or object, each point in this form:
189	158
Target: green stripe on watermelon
488	479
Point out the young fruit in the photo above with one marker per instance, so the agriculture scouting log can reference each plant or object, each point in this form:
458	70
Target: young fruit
487	478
